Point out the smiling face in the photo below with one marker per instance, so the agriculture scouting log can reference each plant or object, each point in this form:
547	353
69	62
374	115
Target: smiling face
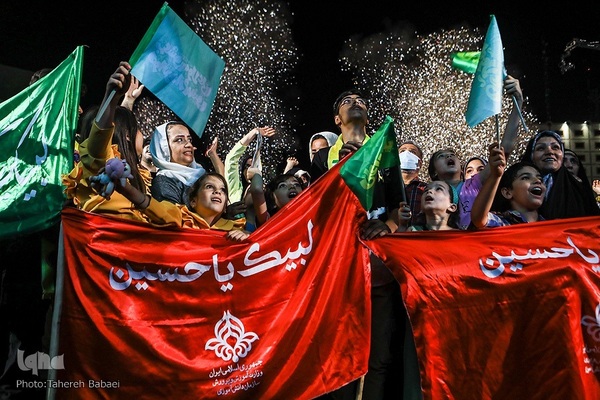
527	190
286	190
210	198
547	154
180	144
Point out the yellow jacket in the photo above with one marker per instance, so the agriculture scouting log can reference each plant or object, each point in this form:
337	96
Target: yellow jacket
93	152
167	213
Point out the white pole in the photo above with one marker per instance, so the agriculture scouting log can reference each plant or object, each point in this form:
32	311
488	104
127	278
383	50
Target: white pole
55	329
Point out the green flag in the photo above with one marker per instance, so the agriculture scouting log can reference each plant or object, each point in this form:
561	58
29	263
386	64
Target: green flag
465	61
360	171
37	129
178	68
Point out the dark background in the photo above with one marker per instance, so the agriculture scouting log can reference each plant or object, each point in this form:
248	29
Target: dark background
36	35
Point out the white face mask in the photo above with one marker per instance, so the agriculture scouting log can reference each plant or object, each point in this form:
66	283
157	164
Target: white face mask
408	160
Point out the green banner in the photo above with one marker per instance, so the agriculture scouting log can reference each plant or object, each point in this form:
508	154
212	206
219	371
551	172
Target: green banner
37	130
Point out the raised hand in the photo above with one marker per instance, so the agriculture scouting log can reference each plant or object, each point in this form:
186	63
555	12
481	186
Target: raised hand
133	92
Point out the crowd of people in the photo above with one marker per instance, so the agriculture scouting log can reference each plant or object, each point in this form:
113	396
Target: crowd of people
157	179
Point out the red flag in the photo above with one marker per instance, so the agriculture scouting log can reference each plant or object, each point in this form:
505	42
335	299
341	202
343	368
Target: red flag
180	313
503	313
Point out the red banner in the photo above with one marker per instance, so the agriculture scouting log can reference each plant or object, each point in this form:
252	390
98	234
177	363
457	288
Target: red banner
181	313
503	313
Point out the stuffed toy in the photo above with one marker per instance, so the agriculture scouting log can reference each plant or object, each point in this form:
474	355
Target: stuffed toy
115	170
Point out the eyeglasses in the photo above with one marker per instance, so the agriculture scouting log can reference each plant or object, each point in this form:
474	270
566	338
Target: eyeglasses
349	100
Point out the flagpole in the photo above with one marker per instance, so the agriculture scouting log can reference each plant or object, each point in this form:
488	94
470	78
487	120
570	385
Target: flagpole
402	187
514	99
497	129
111	95
105	104
56	312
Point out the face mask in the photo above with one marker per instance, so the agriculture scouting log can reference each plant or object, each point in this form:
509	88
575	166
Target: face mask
408	160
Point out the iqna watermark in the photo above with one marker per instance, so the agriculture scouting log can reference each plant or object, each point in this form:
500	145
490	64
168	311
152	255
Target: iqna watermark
38	361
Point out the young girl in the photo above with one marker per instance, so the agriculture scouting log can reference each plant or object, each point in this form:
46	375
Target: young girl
473	166
438	205
514	195
113	133
238	173
280	191
207	203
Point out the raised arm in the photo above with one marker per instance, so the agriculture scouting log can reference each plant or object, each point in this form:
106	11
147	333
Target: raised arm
483	202
119	83
211	152
509	139
259	201
232	175
133	92
291	163
97	147
512	88
140	200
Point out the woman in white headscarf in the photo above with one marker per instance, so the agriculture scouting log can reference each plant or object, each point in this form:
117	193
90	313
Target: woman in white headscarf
319	141
173	154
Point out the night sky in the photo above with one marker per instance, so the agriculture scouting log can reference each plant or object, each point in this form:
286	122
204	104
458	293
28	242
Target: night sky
41	34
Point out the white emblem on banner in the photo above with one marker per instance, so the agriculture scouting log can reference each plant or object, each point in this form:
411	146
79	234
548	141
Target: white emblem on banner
231	341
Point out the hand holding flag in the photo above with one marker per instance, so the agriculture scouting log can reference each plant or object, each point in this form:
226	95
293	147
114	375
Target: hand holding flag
178	68
467	61
360	171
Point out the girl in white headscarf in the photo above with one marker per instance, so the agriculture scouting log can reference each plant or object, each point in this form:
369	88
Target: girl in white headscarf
173	154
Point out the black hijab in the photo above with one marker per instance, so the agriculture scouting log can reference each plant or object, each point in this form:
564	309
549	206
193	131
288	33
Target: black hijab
567	198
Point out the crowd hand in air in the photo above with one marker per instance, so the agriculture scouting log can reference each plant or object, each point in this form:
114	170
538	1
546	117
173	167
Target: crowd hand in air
133	92
291	163
211	150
